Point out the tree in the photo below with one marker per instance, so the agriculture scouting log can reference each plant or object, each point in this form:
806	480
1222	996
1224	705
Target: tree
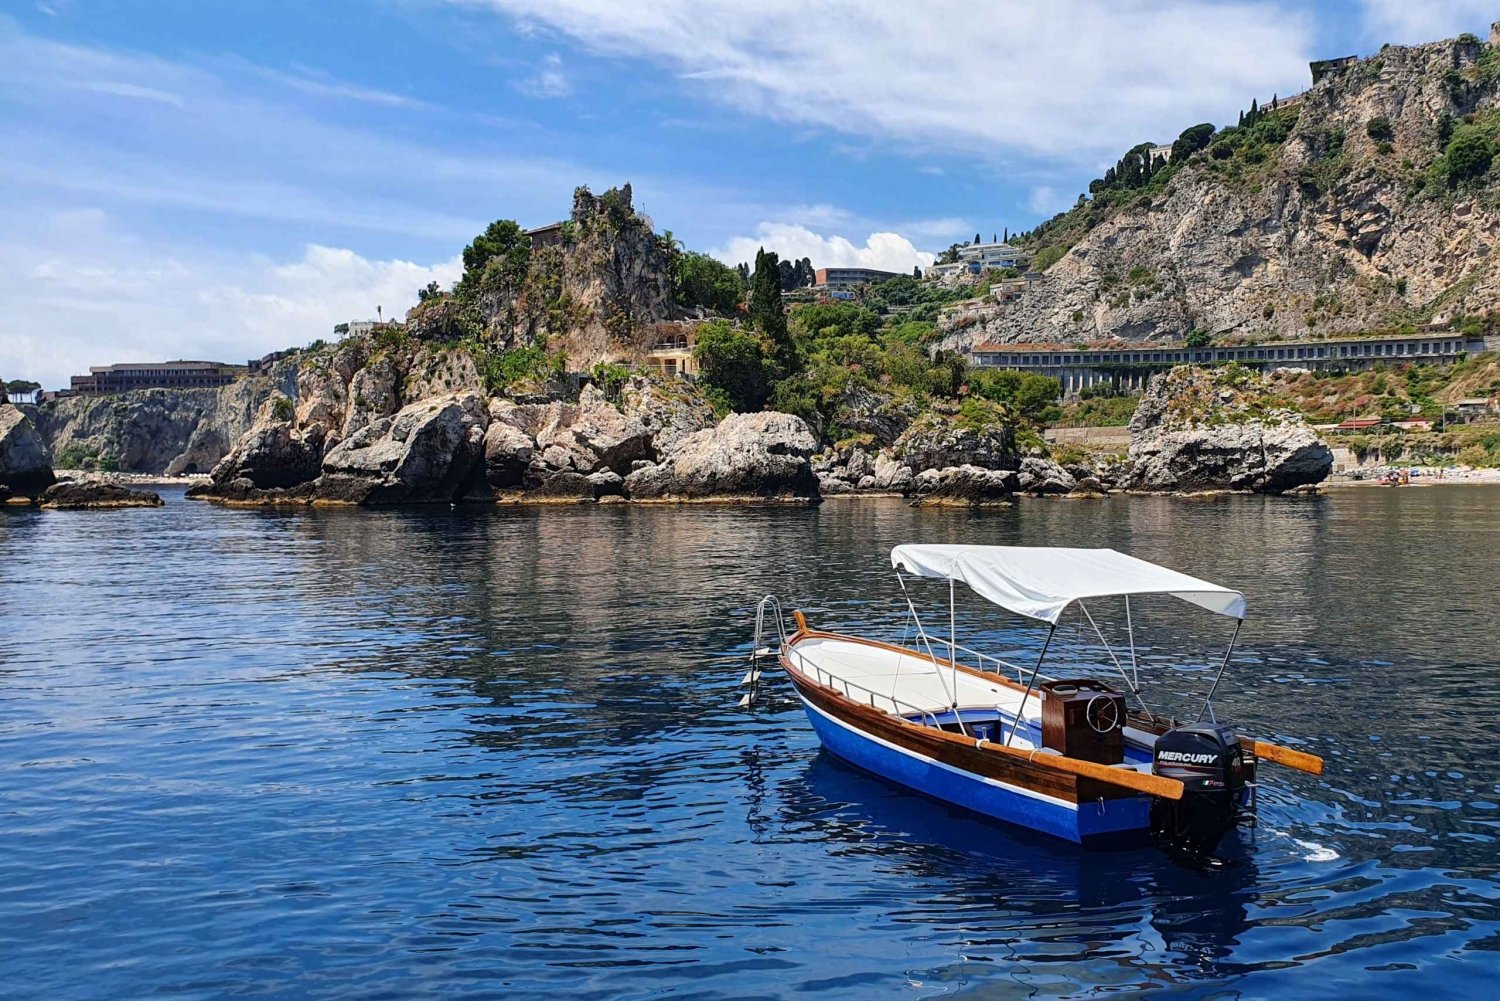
744	270
733	361
699	280
1191	140
429	291
1032	395
22	387
809	273
916	271
786	275
766	312
1007	235
503	241
976	237
949	256
1198	338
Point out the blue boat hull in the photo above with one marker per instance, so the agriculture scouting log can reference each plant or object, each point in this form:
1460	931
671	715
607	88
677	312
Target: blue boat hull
1105	823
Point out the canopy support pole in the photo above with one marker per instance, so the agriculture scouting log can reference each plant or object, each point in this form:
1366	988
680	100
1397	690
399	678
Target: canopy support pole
953	648
922	632
1208	702
1135	665
1134	687
1021	709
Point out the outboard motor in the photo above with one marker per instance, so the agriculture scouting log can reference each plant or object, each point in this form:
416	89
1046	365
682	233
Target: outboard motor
1207	760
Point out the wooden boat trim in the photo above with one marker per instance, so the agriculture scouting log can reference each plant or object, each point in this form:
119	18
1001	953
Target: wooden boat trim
1012	765
1285	756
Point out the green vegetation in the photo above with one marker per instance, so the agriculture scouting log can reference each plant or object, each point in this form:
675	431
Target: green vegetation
700	280
75	456
734	365
504	370
283	410
21	387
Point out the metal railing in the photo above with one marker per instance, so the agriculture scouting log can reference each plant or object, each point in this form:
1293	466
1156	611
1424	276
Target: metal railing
819	673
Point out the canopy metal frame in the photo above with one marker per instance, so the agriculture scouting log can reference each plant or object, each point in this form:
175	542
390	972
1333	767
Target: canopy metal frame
1132	678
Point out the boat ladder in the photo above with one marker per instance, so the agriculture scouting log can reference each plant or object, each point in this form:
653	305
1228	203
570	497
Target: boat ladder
770	603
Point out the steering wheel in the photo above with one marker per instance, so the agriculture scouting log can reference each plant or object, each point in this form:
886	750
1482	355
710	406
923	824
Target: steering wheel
1103	718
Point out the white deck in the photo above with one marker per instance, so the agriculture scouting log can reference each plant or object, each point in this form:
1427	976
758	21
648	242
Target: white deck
912	681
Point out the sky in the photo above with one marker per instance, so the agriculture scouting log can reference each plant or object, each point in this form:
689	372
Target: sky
220	180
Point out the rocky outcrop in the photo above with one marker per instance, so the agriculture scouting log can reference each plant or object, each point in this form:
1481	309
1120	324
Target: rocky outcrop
95	495
1043	476
25	463
964	486
1199	429
427	452
977	434
557	446
669	410
761	457
1336	228
274	454
595	287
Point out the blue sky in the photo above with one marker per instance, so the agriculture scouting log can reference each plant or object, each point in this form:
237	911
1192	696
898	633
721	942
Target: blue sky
181	178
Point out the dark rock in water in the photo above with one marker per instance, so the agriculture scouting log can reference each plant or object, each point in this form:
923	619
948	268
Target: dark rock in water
87	495
964	486
426	453
273	454
763	456
1198	429
25	463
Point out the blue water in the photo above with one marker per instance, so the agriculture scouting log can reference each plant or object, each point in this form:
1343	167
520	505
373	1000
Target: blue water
391	754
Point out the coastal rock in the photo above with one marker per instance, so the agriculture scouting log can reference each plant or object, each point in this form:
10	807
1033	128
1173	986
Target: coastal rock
669	411
507	453
964	486
90	495
880	415
761	455
272	455
891	474
1043	476
25	463
610	439
1219	430
425	453
977	435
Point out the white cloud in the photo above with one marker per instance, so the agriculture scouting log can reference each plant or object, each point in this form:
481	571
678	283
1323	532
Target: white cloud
883	251
80	292
1067	79
548	81
1405	22
1045	200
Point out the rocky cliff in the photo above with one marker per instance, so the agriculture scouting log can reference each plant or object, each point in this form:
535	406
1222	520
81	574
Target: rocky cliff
1348	210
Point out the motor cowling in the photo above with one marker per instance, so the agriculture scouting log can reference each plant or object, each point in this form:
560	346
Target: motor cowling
1208	761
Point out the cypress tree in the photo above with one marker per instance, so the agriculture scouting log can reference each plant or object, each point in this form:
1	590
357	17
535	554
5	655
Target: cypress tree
976	237
765	301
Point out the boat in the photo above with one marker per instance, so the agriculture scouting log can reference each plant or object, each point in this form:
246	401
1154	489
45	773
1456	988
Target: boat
1053	751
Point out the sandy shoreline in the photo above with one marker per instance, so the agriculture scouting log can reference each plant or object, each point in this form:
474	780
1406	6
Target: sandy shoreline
1421	476
129	479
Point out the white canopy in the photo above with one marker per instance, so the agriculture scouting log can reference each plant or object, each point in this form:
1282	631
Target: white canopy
1040	582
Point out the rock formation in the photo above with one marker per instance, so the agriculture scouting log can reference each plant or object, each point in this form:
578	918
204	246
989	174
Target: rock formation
25	463
427	452
95	495
1198	429
761	456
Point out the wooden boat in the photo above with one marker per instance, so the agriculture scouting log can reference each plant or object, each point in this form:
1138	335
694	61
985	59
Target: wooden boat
1062	754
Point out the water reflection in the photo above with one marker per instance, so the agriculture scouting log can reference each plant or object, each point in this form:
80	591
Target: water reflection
342	752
